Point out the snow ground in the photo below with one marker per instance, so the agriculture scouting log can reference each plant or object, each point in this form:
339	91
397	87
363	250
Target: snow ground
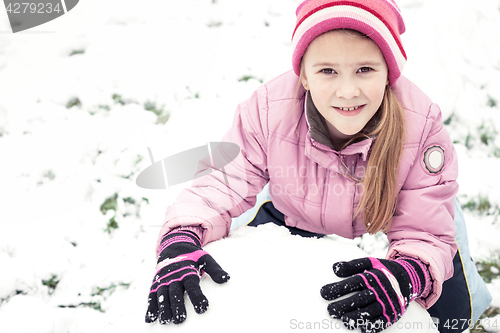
60	165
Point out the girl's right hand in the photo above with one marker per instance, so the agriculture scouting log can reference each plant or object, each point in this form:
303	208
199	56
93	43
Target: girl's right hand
181	261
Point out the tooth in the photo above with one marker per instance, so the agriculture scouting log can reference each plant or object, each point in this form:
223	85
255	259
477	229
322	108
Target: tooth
349	109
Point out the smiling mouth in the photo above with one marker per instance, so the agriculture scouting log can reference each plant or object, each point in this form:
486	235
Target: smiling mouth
349	109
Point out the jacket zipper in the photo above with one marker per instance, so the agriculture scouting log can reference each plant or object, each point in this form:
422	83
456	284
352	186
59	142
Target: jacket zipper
324	198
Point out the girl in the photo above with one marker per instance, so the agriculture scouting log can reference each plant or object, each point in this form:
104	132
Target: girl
348	146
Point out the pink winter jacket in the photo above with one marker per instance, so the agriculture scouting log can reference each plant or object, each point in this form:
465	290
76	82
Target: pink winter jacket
284	142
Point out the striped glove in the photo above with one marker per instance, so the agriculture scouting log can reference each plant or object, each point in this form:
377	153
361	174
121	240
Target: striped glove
181	261
384	288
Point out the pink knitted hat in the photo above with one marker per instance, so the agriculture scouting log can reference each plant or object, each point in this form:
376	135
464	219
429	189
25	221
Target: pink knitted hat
379	19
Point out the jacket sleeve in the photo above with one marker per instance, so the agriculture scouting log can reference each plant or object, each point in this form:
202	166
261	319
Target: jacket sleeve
423	226
213	199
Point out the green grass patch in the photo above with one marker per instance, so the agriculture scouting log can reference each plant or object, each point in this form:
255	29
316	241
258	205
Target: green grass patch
162	115
468	141
487	134
109	204
112	225
159	111
491	102
51	283
74	52
97	109
101	294
150	106
93	305
481	204
129	200
49	174
489	269
138	159
245	78
118	99
75	101
448	120
108	291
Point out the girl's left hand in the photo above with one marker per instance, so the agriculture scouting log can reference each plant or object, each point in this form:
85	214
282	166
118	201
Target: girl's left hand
384	288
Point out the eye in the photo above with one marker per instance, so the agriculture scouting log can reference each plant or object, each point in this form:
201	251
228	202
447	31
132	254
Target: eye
327	71
365	69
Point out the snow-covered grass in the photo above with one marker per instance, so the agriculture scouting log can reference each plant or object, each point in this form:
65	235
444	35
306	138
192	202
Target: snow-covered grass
79	103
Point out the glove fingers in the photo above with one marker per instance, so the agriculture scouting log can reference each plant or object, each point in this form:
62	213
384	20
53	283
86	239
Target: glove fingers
209	265
363	315
176	298
152	312
335	290
348	268
192	286
363	299
163	305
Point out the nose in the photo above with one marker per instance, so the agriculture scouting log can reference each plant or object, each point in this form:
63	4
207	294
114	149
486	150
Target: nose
347	88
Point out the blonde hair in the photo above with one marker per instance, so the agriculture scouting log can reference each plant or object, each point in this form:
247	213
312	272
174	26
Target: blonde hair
379	196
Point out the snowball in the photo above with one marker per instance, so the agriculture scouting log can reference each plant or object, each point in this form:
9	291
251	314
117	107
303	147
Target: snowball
275	283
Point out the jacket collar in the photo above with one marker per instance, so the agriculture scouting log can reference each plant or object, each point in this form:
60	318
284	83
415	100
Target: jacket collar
318	131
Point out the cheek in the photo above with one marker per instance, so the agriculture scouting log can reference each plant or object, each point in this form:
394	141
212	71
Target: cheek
323	93
318	94
377	95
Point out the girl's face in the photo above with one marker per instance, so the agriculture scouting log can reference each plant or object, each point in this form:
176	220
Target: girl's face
346	74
